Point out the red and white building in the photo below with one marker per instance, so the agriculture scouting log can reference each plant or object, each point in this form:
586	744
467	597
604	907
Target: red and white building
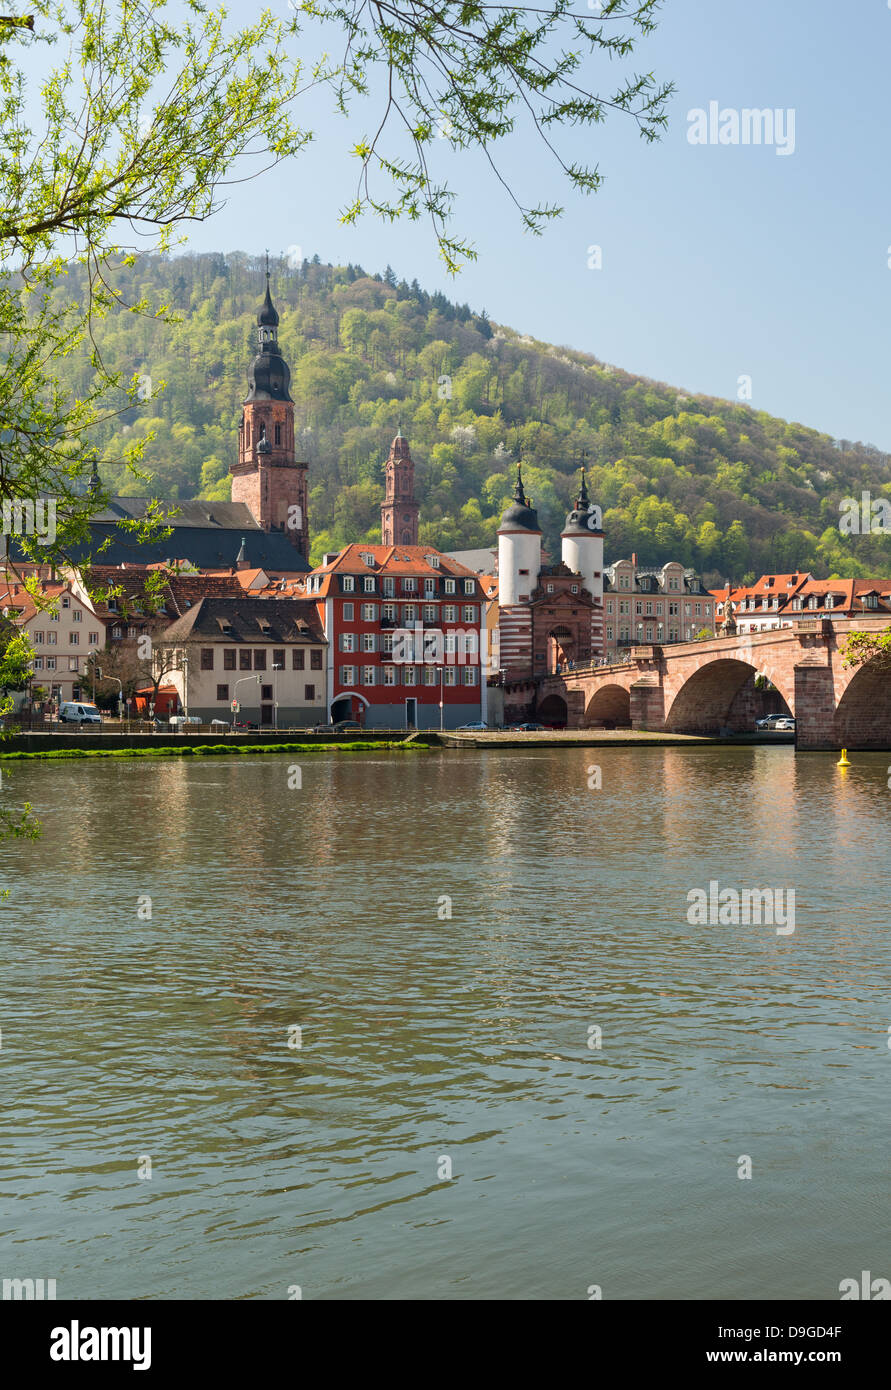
405	627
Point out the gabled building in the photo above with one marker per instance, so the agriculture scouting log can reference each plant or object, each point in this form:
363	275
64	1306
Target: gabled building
653	605
403	624
780	600
61	635
763	606
266	654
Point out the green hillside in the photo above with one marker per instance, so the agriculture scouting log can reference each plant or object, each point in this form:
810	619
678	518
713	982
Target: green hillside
725	488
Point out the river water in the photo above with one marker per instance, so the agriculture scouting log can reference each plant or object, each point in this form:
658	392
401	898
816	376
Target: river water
435	1043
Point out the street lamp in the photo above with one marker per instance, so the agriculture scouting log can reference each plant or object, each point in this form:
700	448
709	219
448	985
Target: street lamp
441	708
275	667
185	692
239	682
120	694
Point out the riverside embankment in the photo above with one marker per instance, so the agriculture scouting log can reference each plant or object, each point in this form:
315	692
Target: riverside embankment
122	745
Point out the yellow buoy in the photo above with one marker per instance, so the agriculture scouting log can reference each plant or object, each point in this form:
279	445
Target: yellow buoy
843	760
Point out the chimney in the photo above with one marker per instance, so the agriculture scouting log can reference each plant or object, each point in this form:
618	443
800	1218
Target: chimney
634	559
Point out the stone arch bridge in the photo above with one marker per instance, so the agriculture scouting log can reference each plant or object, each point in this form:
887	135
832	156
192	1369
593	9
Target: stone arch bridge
707	687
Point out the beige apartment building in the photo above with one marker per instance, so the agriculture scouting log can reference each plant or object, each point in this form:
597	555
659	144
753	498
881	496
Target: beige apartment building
642	605
62	635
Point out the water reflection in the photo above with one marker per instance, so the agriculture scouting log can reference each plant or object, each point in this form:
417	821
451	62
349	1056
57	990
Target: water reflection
426	1035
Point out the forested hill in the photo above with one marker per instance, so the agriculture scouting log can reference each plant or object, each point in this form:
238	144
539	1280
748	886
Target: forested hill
725	488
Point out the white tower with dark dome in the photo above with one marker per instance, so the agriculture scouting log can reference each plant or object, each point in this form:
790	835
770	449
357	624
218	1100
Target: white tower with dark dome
519	549
582	542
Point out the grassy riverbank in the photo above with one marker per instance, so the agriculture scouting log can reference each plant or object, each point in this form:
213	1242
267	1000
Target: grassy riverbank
212	750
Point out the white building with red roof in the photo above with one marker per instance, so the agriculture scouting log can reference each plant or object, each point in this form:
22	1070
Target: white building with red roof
779	600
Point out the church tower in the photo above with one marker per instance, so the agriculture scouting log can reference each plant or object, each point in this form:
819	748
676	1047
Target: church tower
399	510
267	478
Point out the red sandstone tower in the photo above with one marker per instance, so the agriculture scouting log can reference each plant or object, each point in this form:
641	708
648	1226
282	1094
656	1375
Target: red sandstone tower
399	510
267	477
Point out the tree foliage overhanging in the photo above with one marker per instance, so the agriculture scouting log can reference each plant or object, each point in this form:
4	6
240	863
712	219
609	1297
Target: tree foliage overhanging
727	489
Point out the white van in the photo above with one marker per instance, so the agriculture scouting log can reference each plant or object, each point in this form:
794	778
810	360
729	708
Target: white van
73	712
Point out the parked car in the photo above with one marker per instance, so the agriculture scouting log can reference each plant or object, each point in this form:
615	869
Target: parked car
528	728
176	721
480	727
770	721
784	725
220	724
339	727
76	712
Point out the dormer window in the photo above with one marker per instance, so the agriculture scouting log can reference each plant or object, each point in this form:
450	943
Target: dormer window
432	560
813	601
366	557
830	600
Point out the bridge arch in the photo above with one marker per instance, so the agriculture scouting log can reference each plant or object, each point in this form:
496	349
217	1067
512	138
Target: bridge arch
553	709
863	714
609	707
703	703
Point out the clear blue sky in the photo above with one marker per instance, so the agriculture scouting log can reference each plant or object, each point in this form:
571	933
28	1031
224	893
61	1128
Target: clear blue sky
717	260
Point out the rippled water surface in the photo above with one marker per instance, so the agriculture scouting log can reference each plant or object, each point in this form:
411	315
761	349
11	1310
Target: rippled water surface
428	1039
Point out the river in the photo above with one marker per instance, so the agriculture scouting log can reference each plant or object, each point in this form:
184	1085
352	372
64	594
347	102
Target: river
435	1044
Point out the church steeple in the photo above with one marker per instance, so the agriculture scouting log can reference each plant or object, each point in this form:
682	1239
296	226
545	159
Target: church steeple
399	510
267	477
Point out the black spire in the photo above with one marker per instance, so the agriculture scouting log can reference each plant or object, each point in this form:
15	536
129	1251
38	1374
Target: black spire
267	317
94	486
583	500
519	494
269	376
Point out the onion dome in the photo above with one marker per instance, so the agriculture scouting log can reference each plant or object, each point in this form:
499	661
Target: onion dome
577	520
269	376
520	515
